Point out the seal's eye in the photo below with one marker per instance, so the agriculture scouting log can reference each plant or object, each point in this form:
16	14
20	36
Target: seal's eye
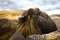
23	19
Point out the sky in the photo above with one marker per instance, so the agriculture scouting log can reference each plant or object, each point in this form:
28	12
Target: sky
49	6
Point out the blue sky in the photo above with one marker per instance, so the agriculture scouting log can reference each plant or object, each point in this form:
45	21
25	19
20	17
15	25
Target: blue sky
49	6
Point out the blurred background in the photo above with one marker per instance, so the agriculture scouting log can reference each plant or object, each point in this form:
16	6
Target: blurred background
49	6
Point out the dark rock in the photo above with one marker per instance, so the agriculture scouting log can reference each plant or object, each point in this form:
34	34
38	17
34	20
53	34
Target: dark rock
17	36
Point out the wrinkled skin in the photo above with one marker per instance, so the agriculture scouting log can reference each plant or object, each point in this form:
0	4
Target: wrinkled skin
28	26
46	24
36	22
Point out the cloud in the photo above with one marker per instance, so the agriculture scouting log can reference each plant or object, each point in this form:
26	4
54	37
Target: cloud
45	5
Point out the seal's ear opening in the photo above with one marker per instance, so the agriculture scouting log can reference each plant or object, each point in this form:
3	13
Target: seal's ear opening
45	23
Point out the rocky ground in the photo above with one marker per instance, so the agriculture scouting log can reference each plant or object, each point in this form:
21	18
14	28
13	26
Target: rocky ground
50	36
53	36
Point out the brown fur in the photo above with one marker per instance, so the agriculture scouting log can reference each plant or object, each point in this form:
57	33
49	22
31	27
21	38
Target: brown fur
36	22
45	22
6	29
28	27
